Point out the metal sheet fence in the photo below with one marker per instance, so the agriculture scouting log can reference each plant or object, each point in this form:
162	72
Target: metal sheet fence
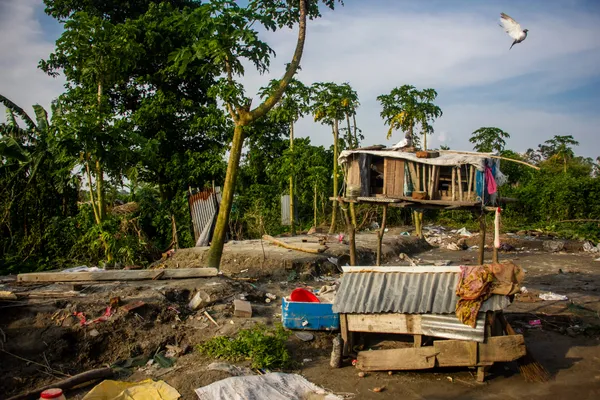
204	207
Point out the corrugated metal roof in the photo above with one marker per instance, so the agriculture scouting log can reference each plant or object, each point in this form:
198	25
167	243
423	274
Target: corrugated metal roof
408	293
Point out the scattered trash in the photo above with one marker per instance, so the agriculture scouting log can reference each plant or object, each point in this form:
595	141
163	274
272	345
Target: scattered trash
242	309
590	248
232	370
207	315
442	263
341	237
553	296
386	230
303	296
305	336
464	232
271	296
524	289
163	361
200	300
450	378
244	270
506	247
94	333
306	360
82	268
272	386
54	393
132	306
404	234
374	226
361	374
535	323
147	389
452	246
267	300
390	373
554	245
378	389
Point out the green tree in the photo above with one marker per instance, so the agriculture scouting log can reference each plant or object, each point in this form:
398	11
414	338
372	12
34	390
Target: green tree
349	106
225	36
37	191
489	139
559	148
293	105
329	108
407	108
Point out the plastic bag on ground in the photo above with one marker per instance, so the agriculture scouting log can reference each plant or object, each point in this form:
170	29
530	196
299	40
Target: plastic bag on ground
464	232
143	390
553	296
273	386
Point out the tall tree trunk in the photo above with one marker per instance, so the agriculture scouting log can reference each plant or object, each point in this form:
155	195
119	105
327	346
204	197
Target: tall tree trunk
409	135
100	190
292	222
315	207
92	199
218	240
351	144
424	141
355	129
175	239
565	164
335	177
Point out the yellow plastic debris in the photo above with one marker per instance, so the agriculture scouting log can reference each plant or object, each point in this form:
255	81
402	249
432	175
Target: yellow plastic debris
147	389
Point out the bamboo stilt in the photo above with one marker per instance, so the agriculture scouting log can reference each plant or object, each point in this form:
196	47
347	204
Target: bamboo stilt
481	238
460	188
418	169
380	234
453	184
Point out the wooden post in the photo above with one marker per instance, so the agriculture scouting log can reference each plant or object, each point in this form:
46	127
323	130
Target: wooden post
380	233
418	169
481	237
351	231
471	181
418	340
424	177
453	184
413	175
436	182
460	188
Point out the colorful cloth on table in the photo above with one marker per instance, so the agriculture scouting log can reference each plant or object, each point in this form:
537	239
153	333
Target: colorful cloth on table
474	287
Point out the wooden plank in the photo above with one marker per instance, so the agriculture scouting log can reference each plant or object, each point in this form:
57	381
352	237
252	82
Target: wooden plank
399	178
421	269
413	175
455	353
461	353
344	333
116	275
396	359
389	168
409	324
353	178
418	168
364	165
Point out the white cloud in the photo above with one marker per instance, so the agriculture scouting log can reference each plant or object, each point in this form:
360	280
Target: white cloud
22	45
375	51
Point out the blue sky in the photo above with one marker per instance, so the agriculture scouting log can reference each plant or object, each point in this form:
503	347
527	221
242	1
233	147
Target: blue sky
548	85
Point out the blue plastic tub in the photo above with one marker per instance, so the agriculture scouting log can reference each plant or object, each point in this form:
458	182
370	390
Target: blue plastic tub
309	316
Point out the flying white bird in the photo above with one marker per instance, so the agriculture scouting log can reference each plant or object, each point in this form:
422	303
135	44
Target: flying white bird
513	29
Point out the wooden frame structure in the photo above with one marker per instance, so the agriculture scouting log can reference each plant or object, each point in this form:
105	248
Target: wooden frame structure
498	346
388	180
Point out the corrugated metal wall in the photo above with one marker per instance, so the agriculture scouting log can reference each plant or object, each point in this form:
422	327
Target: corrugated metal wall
285	209
204	206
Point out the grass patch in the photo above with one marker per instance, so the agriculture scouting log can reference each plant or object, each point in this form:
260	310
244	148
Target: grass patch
266	348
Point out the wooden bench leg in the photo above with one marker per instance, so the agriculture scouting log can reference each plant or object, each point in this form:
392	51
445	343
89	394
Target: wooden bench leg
418	340
481	373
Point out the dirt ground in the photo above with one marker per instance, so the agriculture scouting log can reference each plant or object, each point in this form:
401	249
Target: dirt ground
41	339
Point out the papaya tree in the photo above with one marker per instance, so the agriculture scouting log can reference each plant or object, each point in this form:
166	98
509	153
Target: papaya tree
489	139
226	37
293	105
328	108
407	108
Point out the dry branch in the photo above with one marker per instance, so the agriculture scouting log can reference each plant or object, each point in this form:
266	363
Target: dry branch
271	239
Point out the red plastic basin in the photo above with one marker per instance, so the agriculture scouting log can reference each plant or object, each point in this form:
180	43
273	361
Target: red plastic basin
304	296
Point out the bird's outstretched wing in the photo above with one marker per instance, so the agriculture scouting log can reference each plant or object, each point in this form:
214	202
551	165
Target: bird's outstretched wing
510	26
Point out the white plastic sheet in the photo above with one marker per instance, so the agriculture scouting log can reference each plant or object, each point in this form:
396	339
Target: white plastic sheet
273	386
